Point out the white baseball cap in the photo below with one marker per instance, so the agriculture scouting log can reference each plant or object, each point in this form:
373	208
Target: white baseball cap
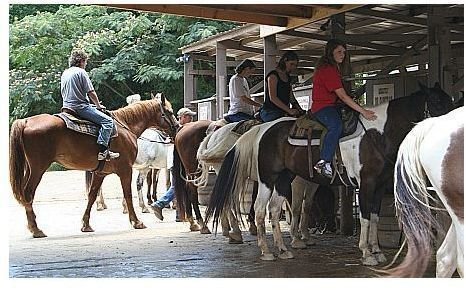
185	111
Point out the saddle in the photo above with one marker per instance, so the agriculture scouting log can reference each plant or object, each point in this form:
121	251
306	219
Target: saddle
308	131
77	124
244	126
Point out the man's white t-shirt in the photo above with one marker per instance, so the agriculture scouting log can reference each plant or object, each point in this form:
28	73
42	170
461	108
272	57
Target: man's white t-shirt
239	87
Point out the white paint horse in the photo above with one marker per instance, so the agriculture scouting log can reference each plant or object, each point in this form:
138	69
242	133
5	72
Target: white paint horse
211	153
433	151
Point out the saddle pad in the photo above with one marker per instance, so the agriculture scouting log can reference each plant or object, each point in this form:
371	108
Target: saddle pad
82	126
244	126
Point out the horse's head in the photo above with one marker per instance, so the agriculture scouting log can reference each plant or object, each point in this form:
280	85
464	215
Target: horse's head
438	101
168	122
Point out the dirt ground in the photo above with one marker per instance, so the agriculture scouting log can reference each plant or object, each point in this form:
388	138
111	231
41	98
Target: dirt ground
165	249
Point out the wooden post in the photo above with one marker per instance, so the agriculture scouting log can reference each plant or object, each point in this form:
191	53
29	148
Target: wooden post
221	78
189	88
440	62
270	54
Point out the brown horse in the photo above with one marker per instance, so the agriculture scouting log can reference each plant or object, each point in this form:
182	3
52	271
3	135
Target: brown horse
37	141
185	168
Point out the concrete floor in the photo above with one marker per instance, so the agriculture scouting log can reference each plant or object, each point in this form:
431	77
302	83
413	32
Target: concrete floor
163	250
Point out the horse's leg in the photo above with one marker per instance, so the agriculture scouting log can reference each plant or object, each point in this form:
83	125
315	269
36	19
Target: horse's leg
275	208
100	197
125	180
194	201
96	183
447	255
193	226
29	192
235	235
225	224
309	194
155	182
373	227
367	258
139	184
100	200
252	214
298	187
263	197
149	186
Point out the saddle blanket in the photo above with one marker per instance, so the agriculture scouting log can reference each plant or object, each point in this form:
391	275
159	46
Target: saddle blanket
82	126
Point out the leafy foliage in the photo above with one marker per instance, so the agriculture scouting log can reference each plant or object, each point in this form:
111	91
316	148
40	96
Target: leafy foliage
130	52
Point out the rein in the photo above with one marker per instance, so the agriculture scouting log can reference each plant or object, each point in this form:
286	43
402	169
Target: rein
154	141
375	146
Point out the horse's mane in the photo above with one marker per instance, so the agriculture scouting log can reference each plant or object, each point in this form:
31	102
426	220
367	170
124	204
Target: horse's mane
137	111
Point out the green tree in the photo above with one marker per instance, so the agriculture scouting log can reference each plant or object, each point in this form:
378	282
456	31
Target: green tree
130	52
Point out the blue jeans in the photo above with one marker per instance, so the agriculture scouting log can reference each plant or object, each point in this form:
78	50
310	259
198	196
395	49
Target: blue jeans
166	198
91	113
240	116
270	115
331	119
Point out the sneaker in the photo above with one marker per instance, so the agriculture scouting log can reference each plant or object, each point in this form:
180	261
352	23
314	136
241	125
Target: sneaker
107	155
324	168
157	211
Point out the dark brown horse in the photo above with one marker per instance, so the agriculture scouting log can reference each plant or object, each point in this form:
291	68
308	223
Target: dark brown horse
37	141
185	167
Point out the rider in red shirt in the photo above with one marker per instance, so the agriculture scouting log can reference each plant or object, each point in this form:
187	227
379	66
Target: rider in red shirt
327	89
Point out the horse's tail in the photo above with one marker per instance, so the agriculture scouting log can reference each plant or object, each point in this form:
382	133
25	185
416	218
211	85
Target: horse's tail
412	205
181	190
202	179
232	179
19	167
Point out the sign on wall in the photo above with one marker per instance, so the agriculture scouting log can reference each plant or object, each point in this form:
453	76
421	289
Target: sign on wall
383	93
204	112
303	101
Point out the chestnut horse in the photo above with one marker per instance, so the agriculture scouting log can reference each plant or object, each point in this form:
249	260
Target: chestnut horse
264	154
37	141
432	152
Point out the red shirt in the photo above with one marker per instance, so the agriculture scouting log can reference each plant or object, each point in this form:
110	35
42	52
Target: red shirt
326	80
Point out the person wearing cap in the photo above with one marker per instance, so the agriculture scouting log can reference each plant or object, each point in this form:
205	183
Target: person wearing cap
185	115
241	104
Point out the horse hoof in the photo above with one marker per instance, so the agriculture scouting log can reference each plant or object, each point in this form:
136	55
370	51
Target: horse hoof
267	257
86	229
369	261
205	230
194	228
101	208
380	257
286	255
233	241
310	242
226	233
145	210
253	229
39	234
298	244
139	225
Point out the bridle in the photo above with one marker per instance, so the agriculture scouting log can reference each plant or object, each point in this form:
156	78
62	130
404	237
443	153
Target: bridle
165	115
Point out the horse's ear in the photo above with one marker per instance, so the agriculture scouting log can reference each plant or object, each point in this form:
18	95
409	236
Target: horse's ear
423	87
162	98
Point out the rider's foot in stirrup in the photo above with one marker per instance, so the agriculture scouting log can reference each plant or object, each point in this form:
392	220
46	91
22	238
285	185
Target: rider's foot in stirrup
324	168
107	155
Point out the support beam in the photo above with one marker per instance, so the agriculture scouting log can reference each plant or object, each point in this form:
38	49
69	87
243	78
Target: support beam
221	80
398	18
188	84
270	54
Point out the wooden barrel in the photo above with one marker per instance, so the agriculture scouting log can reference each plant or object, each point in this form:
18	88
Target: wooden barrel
388	230
205	192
